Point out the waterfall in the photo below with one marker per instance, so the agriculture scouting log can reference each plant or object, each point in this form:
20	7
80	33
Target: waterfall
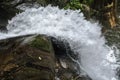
95	57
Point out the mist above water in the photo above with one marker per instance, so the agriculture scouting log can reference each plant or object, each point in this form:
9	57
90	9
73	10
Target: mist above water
96	59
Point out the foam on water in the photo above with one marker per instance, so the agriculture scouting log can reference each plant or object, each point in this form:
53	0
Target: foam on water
84	37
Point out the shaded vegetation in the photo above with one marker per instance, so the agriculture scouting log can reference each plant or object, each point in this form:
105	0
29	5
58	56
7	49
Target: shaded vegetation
78	4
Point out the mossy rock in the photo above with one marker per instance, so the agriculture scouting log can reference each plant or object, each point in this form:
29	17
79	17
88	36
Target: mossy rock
27	58
41	42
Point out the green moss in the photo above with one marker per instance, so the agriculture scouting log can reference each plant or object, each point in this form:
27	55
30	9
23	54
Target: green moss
41	43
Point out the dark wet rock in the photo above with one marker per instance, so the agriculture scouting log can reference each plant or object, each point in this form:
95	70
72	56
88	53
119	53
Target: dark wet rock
7	11
67	69
67	66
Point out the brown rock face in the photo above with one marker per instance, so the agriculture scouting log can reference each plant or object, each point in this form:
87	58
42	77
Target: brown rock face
23	61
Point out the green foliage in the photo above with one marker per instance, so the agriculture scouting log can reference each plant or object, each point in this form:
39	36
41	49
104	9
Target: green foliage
74	4
77	4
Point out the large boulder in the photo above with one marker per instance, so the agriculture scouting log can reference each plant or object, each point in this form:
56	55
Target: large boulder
27	58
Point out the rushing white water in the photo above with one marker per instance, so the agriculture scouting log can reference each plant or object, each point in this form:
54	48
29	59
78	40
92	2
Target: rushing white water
84	37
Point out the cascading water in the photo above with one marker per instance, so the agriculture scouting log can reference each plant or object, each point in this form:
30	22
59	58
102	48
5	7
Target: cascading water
96	58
